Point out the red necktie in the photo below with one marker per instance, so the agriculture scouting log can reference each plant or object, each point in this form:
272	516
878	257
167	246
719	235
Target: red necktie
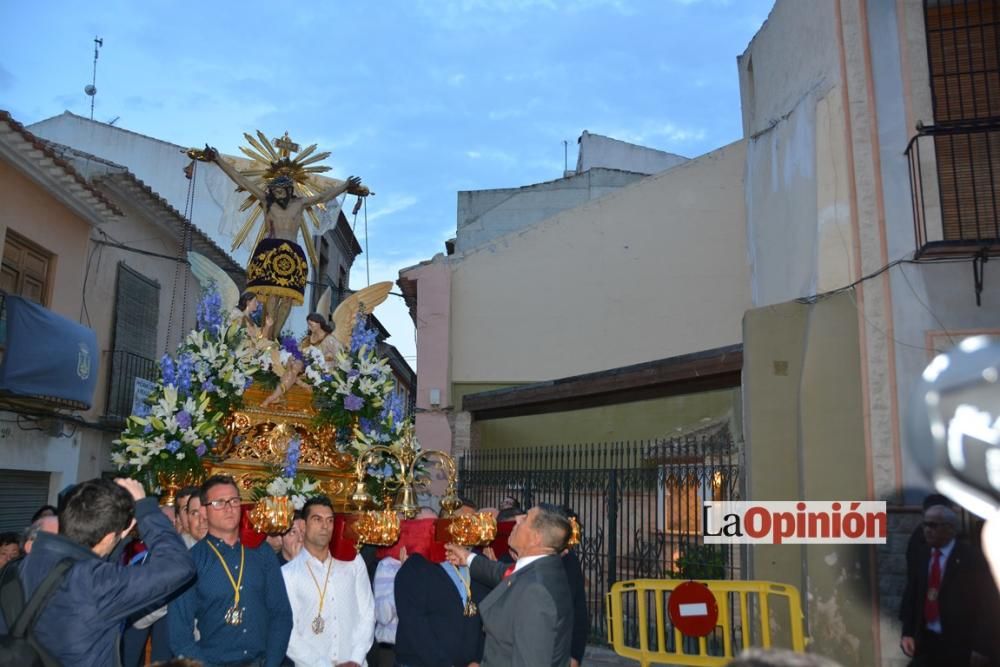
931	610
509	571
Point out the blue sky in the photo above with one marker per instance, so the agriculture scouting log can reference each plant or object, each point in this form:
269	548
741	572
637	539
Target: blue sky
421	98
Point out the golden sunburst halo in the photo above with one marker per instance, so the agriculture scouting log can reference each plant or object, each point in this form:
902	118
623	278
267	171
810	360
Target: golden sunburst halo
272	159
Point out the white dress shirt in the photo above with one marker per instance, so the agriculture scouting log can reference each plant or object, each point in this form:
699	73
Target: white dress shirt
348	611
386	620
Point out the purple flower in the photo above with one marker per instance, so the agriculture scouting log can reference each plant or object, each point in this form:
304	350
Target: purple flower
246	385
353	373
147	429
353	403
201	449
173	446
184	419
291	346
208	385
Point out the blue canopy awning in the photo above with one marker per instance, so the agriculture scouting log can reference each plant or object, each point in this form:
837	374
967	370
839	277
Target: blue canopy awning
47	355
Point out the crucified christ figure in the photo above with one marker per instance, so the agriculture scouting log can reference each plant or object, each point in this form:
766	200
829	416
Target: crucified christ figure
278	269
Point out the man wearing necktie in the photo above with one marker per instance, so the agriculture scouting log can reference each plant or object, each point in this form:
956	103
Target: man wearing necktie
950	604
528	617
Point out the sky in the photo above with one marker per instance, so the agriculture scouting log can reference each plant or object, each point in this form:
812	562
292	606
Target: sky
422	98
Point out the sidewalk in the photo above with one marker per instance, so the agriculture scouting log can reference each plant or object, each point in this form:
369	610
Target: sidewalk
601	656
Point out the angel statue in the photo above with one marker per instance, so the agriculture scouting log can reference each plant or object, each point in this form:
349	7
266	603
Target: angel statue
278	269
328	339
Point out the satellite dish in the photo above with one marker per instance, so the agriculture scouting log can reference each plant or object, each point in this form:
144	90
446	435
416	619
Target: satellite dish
90	89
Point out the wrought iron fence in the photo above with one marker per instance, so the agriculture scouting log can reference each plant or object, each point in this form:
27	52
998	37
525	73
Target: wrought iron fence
639	503
125	368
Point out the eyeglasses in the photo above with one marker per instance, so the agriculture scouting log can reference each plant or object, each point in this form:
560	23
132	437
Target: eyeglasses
934	525
224	502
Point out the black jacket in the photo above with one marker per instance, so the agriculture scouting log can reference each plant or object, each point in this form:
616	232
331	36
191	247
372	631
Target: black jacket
968	601
581	619
82	622
433	630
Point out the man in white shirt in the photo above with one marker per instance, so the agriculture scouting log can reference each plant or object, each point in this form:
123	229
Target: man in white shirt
332	607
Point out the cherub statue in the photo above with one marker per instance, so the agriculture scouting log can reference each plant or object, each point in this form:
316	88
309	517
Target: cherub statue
278	269
328	338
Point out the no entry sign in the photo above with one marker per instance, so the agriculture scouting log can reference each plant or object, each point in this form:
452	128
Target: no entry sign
692	609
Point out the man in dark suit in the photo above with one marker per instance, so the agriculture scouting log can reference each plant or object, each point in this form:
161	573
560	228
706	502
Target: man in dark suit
950	604
528	617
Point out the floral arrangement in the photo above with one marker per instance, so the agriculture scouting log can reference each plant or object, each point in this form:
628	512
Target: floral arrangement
287	481
196	388
357	391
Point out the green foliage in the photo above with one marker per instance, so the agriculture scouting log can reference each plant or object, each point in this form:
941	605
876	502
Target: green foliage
700	561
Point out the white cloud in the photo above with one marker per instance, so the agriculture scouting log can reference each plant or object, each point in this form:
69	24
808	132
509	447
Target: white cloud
392	204
493	154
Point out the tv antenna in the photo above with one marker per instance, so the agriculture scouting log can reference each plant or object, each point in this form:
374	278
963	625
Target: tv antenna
91	89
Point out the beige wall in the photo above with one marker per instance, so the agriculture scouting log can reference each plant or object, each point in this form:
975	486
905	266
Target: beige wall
805	440
35	214
653	270
640	420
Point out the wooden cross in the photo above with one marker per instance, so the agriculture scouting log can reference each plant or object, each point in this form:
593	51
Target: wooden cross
286	145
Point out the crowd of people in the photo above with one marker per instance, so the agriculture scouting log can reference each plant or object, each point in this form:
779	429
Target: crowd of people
178	586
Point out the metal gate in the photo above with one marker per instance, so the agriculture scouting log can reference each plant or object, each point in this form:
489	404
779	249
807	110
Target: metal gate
639	503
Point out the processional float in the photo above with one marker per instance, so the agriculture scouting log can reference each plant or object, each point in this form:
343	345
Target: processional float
286	417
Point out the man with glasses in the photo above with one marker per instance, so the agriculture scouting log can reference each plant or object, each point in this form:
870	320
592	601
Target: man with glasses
239	600
950	606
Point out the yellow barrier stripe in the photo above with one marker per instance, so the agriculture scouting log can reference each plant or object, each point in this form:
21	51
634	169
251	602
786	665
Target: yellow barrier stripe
656	592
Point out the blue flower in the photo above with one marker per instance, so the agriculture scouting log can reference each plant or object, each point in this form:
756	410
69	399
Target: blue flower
210	313
353	403
246	385
353	373
292	455
147	429
201	449
184	419
208	385
173	446
362	335
185	365
167	370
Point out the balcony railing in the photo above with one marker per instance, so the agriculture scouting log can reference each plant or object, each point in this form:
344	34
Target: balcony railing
125	368
955	188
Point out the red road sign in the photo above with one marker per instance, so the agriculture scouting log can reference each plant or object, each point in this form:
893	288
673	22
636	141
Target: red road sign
692	609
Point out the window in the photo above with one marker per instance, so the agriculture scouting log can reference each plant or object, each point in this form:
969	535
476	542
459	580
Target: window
964	63
137	311
26	268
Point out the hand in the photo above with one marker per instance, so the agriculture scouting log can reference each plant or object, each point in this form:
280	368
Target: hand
132	486
402	555
268	321
354	186
456	555
489	553
573	662
908	646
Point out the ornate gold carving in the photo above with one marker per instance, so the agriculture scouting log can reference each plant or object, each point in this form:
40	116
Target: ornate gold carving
272	515
257	439
473	529
378	527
